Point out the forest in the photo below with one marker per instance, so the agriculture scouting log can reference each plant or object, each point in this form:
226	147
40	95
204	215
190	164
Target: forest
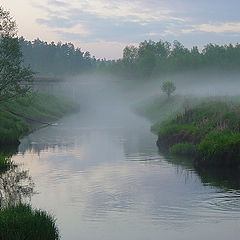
149	60
52	60
157	59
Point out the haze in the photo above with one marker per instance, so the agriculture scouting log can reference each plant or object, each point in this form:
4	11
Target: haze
122	137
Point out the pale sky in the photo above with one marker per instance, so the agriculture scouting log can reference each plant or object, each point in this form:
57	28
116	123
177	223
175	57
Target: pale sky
105	27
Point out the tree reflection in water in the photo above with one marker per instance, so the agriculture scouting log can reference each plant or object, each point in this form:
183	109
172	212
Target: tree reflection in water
16	186
221	177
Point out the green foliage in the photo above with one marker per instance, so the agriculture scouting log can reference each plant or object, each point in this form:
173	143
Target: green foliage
158	59
14	76
5	163
184	149
16	115
149	60
61	59
7	24
213	125
168	87
220	148
22	222
175	129
161	109
223	178
171	134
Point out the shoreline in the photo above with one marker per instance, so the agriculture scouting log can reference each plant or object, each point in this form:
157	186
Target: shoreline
28	114
207	131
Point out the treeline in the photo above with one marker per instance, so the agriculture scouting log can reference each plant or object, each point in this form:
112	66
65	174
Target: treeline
51	59
155	59
149	60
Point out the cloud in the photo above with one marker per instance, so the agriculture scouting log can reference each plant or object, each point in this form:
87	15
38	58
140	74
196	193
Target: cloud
231	27
100	29
164	33
138	20
58	3
56	22
111	20
134	11
129	10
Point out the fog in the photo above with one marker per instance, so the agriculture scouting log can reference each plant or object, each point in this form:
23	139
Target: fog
100	172
107	96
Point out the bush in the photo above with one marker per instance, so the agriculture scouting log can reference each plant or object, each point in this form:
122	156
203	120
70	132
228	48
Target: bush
184	149
168	87
175	129
220	148
5	163
170	135
22	222
213	126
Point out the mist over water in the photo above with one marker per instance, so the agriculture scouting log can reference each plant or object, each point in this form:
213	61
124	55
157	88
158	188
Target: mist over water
100	173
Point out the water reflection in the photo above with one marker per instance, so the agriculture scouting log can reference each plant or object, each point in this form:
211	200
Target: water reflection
9	150
101	180
222	178
16	186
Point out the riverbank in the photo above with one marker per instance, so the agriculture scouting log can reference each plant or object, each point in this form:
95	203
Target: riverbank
160	108
205	129
18	118
23	222
21	116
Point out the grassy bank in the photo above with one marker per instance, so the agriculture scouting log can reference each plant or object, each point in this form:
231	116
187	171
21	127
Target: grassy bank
18	118
21	116
205	129
23	222
160	108
208	132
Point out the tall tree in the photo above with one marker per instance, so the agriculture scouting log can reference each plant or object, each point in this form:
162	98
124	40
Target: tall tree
14	77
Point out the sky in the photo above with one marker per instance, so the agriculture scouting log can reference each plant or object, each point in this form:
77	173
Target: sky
105	27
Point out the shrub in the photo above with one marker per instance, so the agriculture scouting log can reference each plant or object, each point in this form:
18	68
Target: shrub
214	126
22	222
184	149
170	135
5	163
168	87
220	148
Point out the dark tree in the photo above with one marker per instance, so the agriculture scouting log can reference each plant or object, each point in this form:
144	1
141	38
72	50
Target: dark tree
14	77
168	88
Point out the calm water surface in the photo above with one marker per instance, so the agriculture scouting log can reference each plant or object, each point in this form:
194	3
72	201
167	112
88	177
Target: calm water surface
105	180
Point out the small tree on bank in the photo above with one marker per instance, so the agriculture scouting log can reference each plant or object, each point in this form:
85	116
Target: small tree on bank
168	87
14	77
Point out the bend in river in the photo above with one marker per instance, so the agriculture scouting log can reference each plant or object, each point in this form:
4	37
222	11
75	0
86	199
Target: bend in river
100	173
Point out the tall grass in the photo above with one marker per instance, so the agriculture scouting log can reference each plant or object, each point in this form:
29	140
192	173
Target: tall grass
16	116
24	223
184	149
211	129
160	109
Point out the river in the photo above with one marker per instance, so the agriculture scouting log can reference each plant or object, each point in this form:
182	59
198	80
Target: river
100	174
